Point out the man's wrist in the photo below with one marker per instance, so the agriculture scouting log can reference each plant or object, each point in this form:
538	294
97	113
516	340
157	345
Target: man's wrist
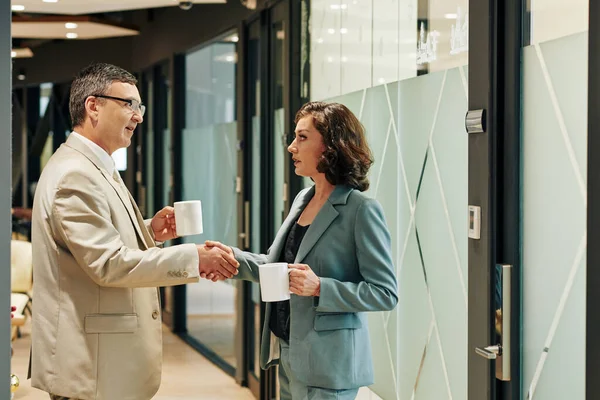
318	291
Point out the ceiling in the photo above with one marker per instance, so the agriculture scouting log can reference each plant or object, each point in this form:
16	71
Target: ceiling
79	7
57	27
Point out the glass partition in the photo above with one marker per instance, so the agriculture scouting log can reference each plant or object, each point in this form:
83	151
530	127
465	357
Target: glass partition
209	175
401	67
554	170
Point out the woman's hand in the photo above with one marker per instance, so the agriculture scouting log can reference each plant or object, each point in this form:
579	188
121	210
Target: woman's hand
303	281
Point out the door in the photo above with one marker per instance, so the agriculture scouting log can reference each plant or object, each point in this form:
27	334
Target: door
528	199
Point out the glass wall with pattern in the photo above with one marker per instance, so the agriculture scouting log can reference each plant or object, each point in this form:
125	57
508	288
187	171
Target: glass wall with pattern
401	67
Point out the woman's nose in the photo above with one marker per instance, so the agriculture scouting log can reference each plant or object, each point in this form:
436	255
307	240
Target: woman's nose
292	147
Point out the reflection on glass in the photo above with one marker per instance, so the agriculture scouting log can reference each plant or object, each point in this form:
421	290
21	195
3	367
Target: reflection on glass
209	175
279	147
360	44
553	19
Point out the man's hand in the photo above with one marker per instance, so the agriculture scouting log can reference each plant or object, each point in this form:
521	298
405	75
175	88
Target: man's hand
216	263
226	249
163	225
303	280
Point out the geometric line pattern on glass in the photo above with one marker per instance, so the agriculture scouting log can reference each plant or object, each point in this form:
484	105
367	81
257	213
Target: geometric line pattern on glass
402	225
416	385
387	138
433	313
583	242
562	125
557	316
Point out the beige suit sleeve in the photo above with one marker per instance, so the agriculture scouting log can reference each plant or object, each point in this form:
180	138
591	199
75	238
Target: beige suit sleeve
82	223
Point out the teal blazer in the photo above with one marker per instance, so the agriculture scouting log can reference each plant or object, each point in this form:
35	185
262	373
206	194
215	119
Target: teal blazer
348	247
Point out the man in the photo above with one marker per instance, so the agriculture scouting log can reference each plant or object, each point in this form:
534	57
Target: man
96	314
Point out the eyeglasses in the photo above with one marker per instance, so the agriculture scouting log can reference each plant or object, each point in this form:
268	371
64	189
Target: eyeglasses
133	104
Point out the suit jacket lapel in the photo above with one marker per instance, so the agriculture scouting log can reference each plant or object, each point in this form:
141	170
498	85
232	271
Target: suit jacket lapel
81	147
125	199
327	214
282	234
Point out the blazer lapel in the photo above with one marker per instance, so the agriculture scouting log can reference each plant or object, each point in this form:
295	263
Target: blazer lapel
125	199
327	214
282	233
81	147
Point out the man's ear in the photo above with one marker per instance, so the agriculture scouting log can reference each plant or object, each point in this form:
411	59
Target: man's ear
91	107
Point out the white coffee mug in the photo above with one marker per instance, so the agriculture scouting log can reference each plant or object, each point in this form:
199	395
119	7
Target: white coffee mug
274	282
188	217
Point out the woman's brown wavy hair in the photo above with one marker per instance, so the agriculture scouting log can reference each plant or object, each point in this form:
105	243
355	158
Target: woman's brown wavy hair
347	156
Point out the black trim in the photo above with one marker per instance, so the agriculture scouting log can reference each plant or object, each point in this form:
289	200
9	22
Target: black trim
160	123
481	257
177	73
508	191
592	346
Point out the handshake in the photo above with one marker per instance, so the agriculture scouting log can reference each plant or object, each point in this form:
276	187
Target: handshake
217	261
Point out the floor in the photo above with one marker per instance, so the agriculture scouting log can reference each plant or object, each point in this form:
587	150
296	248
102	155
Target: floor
217	332
186	374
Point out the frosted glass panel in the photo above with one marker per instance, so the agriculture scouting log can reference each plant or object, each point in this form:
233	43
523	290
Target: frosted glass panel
415	129
554	217
210	169
209	145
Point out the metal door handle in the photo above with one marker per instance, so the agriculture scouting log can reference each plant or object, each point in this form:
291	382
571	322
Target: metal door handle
490	352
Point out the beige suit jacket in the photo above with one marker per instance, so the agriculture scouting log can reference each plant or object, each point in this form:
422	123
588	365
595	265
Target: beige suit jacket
96	311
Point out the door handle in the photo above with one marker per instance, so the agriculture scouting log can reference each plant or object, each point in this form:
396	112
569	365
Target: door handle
245	236
489	352
501	351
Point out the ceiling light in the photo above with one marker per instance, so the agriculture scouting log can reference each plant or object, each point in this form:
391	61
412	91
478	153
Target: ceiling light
50	1
331	31
335	6
235	39
71	25
344	6
320	40
450	16
21	52
17	7
343	31
71	35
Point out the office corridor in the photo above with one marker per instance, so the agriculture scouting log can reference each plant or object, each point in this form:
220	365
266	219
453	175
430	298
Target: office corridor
186	374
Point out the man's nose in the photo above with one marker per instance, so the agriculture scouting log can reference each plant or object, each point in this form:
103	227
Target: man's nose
137	118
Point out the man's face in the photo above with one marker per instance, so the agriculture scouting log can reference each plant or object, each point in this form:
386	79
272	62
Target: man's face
116	121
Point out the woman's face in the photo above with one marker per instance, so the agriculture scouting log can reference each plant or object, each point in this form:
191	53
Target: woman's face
307	148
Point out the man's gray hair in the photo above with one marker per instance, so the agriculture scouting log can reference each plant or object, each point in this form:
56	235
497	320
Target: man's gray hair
94	80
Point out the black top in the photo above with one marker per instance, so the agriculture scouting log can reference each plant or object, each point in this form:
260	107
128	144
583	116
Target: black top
279	323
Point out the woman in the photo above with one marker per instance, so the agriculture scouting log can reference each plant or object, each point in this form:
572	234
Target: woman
337	245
